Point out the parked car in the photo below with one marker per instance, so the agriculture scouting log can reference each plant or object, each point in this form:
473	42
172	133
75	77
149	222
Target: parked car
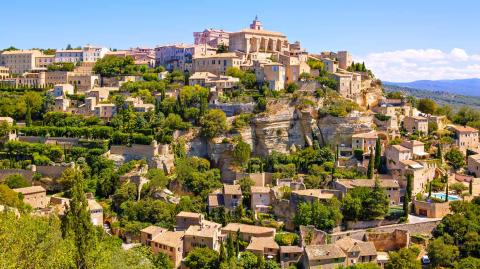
425	260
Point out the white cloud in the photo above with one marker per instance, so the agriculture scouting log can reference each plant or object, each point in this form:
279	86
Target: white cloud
417	64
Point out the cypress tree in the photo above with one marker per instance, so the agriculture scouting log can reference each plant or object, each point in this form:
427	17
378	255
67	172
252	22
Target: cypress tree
439	153
446	192
378	154
430	189
237	243
470	187
77	225
408	195
230	247
223	253
371	164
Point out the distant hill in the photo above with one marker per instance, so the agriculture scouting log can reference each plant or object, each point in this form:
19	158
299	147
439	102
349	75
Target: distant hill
469	87
454	100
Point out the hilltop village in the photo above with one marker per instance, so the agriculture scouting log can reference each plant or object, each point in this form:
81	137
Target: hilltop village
243	150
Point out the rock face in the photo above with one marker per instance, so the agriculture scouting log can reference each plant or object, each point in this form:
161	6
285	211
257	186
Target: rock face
339	130
221	156
278	130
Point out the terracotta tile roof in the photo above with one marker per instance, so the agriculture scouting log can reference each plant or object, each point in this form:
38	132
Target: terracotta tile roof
317	193
260	243
290	249
171	239
324	252
152	229
352	183
249	229
197	230
351	245
463	129
371	135
185	214
215	200
258	189
232	189
400	148
30	190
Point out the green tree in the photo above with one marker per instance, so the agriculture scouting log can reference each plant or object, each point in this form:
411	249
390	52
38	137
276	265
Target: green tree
408	195
28	115
33	242
77	226
405	258
213	123
378	154
427	105
370	169
241	153
202	258
271	264
455	158
16	181
161	260
10	198
442	254
248	260
468	263
322	216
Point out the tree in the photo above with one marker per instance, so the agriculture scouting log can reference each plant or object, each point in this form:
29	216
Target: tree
16	181
241	153
10	198
378	206
468	263
408	195
455	158
271	264
230	247
161	260
442	254
202	258
370	168
248	260
405	258
292	87
33	242
322	216
261	263
458	187
378	154
439	152
213	123
427	106
76	224
28	115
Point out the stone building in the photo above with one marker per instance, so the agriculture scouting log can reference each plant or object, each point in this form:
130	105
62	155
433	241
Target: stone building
247	232
465	137
264	246
171	244
391	187
256	39
473	164
416	124
217	63
35	196
211	37
19	61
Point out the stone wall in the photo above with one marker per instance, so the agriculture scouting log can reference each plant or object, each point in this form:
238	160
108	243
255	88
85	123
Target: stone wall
423	228
27	174
389	241
51	171
232	109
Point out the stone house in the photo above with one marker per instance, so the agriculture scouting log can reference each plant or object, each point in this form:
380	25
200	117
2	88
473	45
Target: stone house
465	137
474	164
343	252
247	231
260	199
171	244
229	197
431	209
205	235
186	219
35	196
365	142
290	255
264	246
416	124
391	186
147	234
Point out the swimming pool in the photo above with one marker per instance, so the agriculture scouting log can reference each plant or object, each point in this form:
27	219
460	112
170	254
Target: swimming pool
442	196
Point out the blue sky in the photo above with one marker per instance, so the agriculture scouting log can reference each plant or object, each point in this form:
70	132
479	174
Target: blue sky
388	35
